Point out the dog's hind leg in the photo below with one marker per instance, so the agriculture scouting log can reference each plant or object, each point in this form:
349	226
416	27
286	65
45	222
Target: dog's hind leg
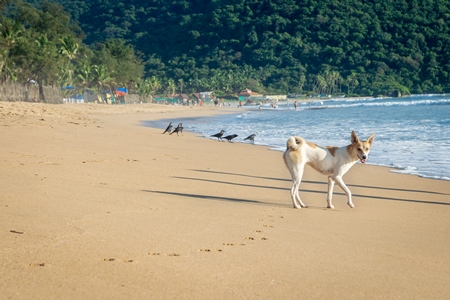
297	174
330	192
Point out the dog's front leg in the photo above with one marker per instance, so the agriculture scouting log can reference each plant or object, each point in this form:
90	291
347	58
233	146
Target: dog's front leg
330	192
341	183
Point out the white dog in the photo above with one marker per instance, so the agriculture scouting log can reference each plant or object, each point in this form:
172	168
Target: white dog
331	161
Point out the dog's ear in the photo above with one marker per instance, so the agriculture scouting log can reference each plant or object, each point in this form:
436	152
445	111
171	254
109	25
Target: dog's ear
354	138
370	139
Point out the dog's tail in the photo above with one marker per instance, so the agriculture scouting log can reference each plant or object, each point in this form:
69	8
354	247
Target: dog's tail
294	142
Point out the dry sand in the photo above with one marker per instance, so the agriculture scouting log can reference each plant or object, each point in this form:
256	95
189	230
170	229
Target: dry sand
93	205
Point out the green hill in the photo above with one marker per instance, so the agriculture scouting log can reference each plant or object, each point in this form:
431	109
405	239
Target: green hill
327	46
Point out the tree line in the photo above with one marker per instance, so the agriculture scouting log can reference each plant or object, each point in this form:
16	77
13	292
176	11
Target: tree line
348	47
42	45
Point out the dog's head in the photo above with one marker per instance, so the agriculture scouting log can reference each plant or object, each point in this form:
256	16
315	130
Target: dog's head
361	148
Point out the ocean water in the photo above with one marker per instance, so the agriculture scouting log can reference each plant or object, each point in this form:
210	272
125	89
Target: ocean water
412	134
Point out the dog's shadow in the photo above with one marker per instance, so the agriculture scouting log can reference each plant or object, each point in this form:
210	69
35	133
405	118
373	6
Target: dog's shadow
371	196
236	183
229	199
209	197
323	183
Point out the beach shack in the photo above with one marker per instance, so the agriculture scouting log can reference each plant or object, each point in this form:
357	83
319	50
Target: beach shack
120	96
182	99
164	100
250	97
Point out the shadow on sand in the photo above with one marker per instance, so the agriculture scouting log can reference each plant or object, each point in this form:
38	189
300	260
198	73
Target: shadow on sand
420	193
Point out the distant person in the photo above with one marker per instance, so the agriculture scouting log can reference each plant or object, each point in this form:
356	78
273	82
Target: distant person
295	104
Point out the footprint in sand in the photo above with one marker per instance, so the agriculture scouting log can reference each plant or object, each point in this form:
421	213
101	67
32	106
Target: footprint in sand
109	259
209	250
232	244
113	259
37	264
165	254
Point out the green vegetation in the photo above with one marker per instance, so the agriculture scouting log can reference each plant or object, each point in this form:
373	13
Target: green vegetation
349	47
41	44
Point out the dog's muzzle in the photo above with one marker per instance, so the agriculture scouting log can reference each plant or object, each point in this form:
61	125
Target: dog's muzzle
362	158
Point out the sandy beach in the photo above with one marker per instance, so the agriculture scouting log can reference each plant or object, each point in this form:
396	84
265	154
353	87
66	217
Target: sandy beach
94	205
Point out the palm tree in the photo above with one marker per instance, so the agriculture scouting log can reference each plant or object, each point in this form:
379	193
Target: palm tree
143	88
69	49
10	33
181	82
62	80
84	76
46	50
320	84
171	86
331	79
100	78
154	84
352	82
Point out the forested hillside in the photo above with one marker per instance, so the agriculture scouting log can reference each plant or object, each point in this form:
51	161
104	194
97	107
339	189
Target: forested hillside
317	46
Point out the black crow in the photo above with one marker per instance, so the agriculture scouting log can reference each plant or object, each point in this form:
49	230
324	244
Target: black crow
219	135
169	128
178	129
230	137
251	137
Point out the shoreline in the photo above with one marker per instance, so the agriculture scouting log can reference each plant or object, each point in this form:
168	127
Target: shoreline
233	110
94	205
